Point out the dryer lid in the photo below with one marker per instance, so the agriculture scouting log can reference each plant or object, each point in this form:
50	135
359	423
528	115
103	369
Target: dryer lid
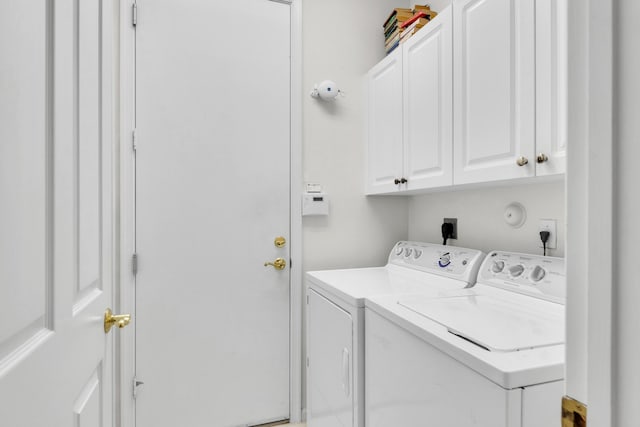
495	324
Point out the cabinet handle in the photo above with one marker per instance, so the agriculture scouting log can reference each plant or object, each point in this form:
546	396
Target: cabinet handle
396	181
522	161
403	181
542	158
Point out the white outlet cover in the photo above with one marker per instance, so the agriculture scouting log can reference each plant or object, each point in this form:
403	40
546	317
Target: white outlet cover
550	226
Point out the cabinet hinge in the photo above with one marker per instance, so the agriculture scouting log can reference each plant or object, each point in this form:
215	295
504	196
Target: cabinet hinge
136	384
134	264
134	140
134	14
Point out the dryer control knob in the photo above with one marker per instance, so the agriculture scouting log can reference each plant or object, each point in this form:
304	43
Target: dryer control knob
407	252
399	250
445	260
417	253
538	273
516	270
497	266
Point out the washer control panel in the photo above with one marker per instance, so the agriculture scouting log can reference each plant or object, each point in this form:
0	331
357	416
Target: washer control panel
535	275
450	261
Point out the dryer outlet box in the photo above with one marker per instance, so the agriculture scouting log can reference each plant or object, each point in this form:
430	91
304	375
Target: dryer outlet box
315	204
550	226
453	221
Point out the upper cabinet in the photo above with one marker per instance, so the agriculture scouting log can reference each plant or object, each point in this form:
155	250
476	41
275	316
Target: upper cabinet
551	86
494	90
427	94
410	113
384	124
477	95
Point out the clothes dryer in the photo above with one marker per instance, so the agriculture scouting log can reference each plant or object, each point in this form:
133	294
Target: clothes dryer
335	320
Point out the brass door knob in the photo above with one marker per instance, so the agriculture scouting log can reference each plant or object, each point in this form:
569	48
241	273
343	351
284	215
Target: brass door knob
280	242
278	264
522	161
542	158
110	319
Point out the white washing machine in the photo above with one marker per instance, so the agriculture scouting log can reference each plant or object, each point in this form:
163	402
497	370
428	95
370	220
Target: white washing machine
489	356
335	320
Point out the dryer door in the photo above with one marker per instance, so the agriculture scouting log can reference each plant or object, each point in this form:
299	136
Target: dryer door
330	364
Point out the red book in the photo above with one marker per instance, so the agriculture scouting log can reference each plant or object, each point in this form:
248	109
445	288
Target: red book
413	19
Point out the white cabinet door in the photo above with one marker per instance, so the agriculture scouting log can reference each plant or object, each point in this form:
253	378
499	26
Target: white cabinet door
384	124
494	85
428	114
330	368
551	86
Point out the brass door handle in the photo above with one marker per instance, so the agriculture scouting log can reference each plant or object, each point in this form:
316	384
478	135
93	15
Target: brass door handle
110	319
278	264
522	161
280	242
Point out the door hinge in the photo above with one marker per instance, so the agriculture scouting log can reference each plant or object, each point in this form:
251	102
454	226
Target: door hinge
134	264
134	140
134	14
574	413
136	384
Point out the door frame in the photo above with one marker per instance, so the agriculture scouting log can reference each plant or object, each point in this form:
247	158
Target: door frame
590	349
124	94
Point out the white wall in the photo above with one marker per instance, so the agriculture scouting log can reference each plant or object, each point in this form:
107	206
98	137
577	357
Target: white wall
341	41
480	216
626	212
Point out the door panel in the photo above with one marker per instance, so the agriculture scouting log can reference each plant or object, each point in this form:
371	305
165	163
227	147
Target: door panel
428	97
212	193
551	85
384	124
56	217
330	371
493	89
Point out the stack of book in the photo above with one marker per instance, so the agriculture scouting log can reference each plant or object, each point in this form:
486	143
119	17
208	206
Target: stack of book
403	23
392	27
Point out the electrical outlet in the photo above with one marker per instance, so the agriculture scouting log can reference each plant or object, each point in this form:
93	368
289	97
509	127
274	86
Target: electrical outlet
453	221
550	226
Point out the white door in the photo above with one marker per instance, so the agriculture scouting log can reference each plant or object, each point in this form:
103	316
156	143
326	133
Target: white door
384	125
212	194
330	397
494	85
56	222
428	109
551	86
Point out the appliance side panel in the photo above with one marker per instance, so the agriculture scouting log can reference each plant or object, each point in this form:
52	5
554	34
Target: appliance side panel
542	404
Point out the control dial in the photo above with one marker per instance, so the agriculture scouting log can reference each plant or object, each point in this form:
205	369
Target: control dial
537	273
407	252
399	250
497	266
417	253
445	260
516	270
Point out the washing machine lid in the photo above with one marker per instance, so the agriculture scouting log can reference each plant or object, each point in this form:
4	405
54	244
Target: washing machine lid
508	324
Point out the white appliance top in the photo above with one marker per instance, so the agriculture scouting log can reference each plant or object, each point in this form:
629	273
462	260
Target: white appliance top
509	327
412	267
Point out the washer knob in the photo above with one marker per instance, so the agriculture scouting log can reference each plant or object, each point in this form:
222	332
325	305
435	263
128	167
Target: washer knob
445	260
417	253
497	266
399	250
538	273
516	270
407	252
